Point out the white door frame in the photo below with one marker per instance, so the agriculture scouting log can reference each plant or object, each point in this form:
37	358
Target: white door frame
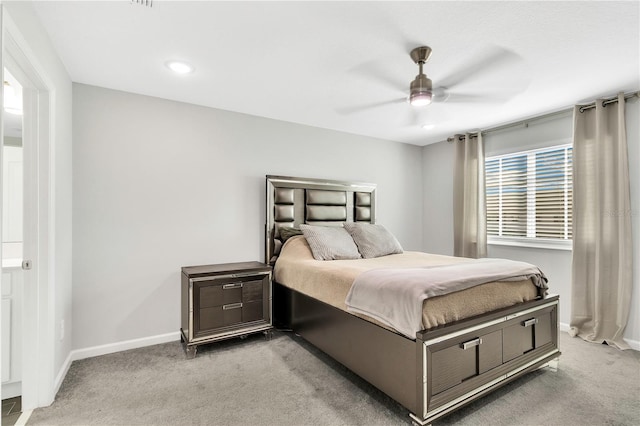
38	328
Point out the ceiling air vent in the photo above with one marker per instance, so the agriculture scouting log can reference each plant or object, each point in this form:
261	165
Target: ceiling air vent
147	3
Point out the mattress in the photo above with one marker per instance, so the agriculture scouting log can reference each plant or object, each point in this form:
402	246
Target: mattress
330	282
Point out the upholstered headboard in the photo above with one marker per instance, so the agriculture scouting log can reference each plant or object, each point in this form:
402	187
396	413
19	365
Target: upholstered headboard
292	201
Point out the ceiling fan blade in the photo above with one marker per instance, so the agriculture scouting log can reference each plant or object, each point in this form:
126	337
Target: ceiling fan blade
374	70
490	97
484	62
364	107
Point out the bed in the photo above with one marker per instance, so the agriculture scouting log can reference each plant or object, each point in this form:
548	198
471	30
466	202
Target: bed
466	349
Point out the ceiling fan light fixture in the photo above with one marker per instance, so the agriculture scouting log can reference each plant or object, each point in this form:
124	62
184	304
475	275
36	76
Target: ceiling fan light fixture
419	99
420	91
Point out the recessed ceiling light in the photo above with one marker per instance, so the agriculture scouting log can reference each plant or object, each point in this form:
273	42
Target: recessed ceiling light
179	67
428	126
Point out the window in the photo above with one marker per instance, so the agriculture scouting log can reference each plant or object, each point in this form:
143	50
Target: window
530	197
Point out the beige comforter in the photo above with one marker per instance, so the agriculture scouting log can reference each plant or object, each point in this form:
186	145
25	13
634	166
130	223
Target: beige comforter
330	282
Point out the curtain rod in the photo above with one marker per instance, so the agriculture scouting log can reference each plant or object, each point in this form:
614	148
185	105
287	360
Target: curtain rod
542	117
608	101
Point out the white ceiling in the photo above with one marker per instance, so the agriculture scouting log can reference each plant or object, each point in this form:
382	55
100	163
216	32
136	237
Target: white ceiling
322	63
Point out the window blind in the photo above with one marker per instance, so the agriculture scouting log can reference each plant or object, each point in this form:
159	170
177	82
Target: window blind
529	194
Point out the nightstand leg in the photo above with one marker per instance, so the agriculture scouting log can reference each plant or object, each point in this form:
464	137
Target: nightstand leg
191	351
268	334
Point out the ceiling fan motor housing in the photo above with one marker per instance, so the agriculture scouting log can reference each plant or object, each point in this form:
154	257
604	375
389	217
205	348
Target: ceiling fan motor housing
420	91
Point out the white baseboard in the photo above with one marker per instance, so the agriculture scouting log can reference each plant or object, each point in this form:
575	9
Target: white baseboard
24	418
123	346
62	373
634	344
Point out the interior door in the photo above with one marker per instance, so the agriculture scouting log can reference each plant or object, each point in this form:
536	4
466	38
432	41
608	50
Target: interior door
12	236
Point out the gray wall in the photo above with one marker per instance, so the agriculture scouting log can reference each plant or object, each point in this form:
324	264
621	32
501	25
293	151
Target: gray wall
438	161
159	184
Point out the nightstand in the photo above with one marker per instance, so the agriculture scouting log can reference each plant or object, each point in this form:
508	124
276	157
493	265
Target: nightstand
224	301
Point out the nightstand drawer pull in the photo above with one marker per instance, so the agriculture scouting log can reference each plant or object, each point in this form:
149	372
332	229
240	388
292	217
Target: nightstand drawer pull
529	323
232	306
471	343
230	286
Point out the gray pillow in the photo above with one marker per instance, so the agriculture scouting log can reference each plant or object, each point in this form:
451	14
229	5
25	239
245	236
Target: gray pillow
373	240
286	233
330	242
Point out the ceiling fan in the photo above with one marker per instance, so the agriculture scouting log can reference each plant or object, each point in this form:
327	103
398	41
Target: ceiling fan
422	91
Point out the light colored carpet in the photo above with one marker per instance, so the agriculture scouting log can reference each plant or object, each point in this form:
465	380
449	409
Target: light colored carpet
286	381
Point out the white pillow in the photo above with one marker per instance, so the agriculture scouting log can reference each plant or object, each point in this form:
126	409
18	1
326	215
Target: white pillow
373	240
330	242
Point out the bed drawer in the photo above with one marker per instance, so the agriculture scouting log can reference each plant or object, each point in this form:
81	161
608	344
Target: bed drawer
527	334
472	355
480	353
466	358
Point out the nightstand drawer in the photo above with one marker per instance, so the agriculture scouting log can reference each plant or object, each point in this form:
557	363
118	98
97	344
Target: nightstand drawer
220	316
215	293
230	314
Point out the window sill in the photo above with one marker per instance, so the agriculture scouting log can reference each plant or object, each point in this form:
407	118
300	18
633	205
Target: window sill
566	245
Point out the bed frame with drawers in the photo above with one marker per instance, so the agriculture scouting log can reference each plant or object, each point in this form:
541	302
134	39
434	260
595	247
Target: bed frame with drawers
441	370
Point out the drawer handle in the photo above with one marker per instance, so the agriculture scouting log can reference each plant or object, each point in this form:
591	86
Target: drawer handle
230	286
529	323
471	343
232	306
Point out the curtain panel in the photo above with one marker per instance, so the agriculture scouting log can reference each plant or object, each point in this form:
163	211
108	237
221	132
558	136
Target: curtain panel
469	198
602	245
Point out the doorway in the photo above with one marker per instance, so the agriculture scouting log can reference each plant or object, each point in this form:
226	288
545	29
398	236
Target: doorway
12	240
